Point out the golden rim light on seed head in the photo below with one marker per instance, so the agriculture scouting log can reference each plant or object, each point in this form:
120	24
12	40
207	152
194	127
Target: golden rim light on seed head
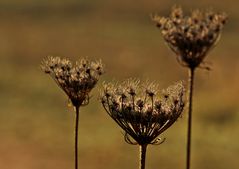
140	111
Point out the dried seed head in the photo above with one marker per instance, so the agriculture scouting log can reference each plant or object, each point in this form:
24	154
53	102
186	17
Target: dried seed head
75	80
143	115
191	37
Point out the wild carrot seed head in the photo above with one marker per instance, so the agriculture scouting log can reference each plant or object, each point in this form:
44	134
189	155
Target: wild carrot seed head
140	111
76	80
191	37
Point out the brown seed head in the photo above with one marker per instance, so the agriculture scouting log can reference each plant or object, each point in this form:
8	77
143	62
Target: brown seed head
191	37
143	116
75	80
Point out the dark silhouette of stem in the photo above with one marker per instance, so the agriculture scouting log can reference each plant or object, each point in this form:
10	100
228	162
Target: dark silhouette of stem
142	151
190	103
76	136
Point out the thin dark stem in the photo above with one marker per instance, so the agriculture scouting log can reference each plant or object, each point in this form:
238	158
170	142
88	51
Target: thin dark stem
76	136
142	151
190	103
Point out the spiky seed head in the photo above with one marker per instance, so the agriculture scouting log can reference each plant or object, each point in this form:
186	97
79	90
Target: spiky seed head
143	115
191	37
76	80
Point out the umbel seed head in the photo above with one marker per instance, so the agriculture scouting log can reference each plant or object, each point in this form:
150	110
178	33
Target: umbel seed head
140	111
76	80
191	37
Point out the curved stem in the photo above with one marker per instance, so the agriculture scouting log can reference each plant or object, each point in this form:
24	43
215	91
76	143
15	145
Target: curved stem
76	136
190	103
142	151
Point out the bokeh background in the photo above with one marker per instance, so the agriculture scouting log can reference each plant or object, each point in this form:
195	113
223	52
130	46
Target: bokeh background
36	125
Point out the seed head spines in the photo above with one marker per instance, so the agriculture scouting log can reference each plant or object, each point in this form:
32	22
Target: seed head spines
191	37
76	80
143	115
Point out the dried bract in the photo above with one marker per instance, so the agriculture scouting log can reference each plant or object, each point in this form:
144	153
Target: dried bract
75	80
191	37
140	111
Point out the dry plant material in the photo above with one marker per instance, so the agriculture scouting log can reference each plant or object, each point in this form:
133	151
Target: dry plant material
141	112
76	80
191	38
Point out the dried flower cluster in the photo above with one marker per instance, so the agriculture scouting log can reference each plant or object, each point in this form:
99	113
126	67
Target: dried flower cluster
140	112
75	80
191	37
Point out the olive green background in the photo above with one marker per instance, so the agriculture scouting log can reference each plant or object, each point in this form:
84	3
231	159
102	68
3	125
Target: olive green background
36	124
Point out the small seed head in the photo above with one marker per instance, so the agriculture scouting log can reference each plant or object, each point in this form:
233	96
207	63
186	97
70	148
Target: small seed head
75	80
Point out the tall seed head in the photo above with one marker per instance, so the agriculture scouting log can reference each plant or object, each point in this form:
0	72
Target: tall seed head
191	37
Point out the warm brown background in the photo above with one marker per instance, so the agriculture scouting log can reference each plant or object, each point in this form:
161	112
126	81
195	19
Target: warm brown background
36	126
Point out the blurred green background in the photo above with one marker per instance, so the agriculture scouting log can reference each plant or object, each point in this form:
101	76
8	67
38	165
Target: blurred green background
36	126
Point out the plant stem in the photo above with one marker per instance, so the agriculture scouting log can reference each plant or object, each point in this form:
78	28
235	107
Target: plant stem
76	136
190	99
142	151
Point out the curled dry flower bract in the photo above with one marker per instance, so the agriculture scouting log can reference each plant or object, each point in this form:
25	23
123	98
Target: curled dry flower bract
140	111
